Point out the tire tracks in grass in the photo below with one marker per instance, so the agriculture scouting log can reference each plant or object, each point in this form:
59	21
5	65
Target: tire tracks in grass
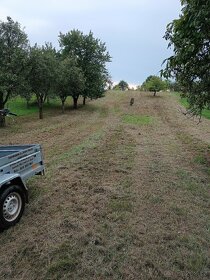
106	203
172	199
79	227
125	201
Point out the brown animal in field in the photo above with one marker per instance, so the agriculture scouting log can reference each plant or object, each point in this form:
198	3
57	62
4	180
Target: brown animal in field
131	101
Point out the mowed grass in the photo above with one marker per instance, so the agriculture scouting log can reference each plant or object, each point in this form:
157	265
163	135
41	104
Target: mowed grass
18	106
114	203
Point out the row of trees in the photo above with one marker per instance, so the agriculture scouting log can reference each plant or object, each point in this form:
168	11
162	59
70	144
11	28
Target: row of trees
78	68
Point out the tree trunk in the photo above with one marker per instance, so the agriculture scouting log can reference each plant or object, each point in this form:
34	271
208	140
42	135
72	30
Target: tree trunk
75	102
40	111
154	93
84	100
63	106
2	121
2	118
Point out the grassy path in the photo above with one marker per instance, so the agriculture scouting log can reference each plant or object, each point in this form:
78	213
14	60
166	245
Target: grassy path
126	194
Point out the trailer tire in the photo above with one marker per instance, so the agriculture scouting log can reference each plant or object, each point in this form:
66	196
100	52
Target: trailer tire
12	205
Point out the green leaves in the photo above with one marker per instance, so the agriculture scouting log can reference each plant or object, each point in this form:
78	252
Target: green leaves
154	83
91	57
13	61
79	68
43	63
13	58
190	38
123	85
70	80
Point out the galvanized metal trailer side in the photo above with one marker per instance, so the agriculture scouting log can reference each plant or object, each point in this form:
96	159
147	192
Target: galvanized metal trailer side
17	164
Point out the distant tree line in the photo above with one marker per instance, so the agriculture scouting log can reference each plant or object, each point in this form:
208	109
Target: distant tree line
152	83
78	68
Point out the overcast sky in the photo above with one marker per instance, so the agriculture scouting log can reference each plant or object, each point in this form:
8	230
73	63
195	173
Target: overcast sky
133	30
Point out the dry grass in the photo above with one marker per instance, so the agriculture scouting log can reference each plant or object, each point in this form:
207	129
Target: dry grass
123	198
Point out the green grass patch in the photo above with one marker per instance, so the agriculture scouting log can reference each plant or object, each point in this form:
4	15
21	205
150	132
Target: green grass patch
18	105
206	114
137	119
66	258
121	205
184	102
196	259
200	159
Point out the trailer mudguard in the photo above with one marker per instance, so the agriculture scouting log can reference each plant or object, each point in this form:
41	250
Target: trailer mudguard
13	179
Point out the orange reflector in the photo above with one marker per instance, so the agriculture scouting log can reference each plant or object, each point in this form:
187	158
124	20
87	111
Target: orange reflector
34	166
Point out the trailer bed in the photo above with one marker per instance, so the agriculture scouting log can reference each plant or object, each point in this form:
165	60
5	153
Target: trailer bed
25	160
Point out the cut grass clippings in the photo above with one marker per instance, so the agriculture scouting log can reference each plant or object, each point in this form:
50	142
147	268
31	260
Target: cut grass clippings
113	204
91	142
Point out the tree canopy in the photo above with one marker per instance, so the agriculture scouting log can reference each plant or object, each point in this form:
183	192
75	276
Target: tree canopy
123	85
77	69
189	36
42	74
91	56
70	81
154	84
13	61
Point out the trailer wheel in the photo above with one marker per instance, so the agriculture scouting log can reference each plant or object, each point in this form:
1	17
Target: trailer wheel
12	204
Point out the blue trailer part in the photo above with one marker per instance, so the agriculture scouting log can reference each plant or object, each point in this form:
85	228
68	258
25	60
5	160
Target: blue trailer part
17	164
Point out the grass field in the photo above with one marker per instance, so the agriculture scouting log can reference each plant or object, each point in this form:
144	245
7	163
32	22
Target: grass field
19	106
125	195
